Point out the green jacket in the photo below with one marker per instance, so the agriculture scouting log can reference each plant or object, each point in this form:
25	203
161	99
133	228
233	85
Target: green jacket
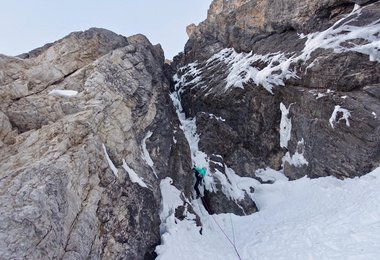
201	171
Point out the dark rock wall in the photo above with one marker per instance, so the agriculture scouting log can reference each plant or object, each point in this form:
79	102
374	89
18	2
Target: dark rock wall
248	137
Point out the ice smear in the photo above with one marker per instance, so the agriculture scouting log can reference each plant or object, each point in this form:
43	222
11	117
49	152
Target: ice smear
110	163
285	126
63	93
133	175
342	32
345	115
188	126
241	70
145	155
200	159
188	70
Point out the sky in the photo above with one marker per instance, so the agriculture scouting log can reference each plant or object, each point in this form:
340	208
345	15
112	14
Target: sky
26	25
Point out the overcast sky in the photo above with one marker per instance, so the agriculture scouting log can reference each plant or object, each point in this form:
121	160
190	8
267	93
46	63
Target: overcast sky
28	24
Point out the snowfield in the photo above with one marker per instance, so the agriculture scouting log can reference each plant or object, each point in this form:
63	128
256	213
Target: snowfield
323	218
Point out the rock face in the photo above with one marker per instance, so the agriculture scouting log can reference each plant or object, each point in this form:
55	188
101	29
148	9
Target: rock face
59	196
311	59
89	133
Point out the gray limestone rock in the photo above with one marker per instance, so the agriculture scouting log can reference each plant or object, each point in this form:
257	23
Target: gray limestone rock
60	197
243	23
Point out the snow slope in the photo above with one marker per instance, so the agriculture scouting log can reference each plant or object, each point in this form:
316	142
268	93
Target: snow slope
323	218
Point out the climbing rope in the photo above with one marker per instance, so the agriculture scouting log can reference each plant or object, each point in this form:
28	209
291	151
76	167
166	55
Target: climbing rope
233	230
221	229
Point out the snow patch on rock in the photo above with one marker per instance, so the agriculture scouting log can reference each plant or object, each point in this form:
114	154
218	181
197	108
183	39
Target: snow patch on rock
110	163
145	154
133	175
241	69
285	126
171	199
297	159
63	93
334	116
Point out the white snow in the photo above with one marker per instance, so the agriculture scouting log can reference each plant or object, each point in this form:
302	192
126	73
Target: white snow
345	115
269	174
133	175
297	159
188	126
145	155
324	94
273	69
321	95
233	186
217	117
63	93
171	199
190	70
323	218
110	163
343	32
374	114
241	71
285	126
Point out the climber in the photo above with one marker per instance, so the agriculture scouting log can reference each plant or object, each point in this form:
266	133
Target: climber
199	174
